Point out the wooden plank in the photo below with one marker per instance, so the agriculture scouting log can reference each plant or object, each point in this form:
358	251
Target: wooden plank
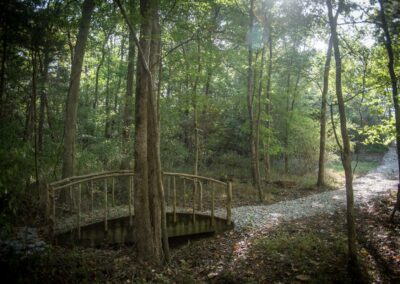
53	198
194	200
130	200
79	209
88	176
195	177
105	207
213	205
91	195
201	196
174	201
113	192
169	190
229	203
184	193
93	178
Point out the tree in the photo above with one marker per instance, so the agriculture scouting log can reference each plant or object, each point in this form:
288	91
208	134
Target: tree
255	169
128	113
321	162
73	91
346	152
393	80
150	219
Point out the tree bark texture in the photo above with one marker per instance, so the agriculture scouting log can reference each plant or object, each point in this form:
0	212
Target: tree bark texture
150	222
346	155
267	160
322	133
250	103
73	91
393	80
128	114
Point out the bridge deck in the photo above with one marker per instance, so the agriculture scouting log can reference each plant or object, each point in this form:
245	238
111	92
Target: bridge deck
70	223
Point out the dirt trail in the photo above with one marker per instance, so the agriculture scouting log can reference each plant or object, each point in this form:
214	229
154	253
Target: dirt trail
376	182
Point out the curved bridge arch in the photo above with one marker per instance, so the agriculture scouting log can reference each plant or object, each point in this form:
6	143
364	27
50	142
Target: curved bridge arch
81	201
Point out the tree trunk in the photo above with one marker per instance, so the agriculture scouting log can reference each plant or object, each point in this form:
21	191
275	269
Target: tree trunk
346	155
108	98
73	91
322	133
250	105
286	139
34	115
98	68
257	130
195	114
43	98
393	79
127	119
267	161
150	222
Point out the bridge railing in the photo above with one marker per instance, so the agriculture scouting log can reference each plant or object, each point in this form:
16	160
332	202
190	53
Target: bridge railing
197	194
99	196
94	196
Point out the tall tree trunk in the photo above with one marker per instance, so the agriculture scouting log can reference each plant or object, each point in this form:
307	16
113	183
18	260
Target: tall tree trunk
34	115
393	79
157	62
150	222
257	128
127	118
322	133
73	91
250	104
108	98
98	68
43	98
267	161
287	125
346	155
195	113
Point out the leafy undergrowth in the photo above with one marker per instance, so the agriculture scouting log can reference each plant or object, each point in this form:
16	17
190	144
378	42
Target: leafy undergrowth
311	250
380	237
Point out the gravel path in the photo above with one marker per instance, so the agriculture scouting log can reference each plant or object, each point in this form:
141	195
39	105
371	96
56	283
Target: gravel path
373	184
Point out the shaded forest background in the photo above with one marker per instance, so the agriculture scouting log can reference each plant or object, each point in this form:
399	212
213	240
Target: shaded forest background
224	86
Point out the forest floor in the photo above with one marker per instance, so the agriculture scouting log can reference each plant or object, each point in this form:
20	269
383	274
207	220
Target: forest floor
295	238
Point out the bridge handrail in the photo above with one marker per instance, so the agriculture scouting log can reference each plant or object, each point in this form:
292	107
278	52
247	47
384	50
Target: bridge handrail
87	176
195	177
78	180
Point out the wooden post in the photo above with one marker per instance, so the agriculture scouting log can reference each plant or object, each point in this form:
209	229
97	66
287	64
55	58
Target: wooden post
183	193
106	207
168	190
91	194
130	200
201	196
71	199
53	198
229	203
79	210
194	199
47	201
212	205
113	190
133	195
174	201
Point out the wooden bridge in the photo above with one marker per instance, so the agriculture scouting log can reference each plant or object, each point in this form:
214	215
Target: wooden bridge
82	206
